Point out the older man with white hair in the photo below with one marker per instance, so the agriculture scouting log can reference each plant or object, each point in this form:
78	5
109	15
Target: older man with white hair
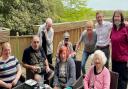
46	34
35	61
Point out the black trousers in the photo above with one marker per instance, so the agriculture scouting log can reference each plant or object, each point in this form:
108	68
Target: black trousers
122	69
49	57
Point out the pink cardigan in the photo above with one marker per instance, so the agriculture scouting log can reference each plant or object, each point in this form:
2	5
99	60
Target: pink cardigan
99	81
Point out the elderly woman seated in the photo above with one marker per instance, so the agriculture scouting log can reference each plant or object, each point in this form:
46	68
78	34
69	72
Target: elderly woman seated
65	72
98	76
10	69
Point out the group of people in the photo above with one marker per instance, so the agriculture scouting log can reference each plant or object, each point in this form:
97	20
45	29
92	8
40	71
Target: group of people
109	36
37	58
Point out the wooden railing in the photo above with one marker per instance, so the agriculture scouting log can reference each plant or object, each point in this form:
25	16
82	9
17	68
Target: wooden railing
19	43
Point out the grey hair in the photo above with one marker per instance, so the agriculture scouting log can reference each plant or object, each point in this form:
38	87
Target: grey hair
49	20
102	55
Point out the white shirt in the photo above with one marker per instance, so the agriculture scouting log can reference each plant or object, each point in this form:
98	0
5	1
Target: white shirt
103	33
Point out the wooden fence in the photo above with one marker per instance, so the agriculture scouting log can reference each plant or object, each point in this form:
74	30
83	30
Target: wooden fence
19	43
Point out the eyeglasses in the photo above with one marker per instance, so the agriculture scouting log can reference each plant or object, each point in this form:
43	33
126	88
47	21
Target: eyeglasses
66	39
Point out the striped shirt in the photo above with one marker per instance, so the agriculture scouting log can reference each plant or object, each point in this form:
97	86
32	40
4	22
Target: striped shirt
8	69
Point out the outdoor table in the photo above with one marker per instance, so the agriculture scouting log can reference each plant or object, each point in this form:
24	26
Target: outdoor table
35	86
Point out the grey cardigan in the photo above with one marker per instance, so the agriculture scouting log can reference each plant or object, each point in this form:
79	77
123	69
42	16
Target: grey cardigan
71	73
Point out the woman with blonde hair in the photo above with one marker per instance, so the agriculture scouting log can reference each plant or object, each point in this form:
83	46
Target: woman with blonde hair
98	76
88	37
10	69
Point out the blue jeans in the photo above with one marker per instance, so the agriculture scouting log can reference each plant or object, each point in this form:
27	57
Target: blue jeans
84	59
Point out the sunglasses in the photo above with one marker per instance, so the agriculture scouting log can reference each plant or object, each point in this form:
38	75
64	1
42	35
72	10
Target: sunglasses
66	39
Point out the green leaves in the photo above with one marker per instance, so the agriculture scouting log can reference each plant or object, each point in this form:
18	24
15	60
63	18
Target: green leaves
21	15
76	10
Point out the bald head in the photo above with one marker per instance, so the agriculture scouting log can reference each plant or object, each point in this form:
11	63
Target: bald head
35	42
35	37
48	23
49	20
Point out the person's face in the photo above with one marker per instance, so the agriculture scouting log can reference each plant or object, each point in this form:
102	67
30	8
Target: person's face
117	18
63	56
48	25
6	51
98	61
66	41
99	18
35	43
89	28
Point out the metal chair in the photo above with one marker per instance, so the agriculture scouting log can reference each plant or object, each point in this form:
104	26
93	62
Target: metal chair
79	83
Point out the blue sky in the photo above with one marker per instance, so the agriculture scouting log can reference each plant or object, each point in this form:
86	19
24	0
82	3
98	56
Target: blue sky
108	4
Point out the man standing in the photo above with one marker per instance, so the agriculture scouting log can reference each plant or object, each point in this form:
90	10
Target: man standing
46	34
35	61
103	29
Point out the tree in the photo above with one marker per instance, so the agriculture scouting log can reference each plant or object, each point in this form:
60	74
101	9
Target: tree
20	15
75	10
